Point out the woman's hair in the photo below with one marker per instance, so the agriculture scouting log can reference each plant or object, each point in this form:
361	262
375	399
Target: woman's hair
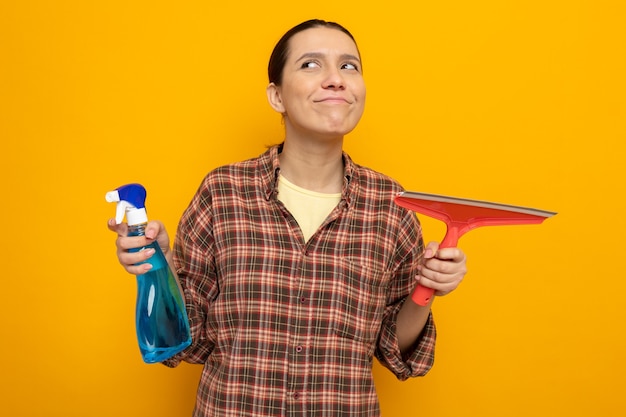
281	50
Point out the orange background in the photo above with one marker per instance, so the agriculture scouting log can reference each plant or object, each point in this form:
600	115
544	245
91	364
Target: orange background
520	102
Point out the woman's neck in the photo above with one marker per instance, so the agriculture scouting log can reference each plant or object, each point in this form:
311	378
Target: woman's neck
313	165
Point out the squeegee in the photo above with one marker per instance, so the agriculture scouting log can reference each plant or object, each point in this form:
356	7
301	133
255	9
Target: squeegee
462	215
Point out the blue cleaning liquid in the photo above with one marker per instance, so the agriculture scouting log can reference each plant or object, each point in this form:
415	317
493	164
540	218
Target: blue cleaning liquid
161	319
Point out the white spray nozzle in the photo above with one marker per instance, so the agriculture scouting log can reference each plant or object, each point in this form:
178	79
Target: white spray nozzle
130	199
112	196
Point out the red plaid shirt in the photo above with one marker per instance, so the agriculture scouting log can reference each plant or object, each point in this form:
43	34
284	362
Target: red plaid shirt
286	327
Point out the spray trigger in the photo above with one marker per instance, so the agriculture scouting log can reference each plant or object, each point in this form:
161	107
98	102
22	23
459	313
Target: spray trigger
122	206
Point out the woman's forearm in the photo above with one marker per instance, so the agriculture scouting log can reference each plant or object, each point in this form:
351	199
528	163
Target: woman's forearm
410	323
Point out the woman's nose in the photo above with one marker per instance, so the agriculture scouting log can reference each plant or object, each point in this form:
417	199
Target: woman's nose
334	80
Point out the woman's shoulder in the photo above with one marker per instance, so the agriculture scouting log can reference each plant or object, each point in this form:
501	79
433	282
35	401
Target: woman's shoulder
236	174
376	180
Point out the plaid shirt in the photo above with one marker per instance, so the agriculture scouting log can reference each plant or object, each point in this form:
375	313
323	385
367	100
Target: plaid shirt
286	327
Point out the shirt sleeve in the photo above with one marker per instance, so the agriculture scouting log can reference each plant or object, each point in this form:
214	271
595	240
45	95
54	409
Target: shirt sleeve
420	360
195	266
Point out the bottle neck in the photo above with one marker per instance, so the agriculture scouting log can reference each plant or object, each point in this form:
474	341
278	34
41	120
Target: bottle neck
137	229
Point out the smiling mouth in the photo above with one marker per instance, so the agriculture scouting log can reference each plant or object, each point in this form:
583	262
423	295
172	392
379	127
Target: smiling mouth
339	100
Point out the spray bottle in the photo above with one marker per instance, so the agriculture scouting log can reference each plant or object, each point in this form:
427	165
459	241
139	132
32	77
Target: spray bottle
161	319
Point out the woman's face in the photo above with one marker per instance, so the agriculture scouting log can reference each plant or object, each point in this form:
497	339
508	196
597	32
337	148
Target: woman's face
322	92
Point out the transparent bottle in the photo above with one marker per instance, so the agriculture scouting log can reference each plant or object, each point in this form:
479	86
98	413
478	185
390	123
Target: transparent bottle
161	318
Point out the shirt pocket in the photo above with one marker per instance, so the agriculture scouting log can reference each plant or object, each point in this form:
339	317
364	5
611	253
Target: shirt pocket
358	300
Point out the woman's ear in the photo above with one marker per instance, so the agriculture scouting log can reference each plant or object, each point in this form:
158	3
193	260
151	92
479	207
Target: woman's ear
274	97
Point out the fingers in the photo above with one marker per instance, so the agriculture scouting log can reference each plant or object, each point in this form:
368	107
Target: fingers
430	250
440	287
451	254
128	251
136	263
153	229
121	229
442	269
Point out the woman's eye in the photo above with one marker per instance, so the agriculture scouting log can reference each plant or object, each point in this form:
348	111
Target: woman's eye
350	66
310	64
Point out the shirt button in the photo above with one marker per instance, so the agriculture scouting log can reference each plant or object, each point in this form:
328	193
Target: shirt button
296	395
298	349
303	300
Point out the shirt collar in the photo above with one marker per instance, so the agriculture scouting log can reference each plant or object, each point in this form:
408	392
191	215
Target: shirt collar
270	168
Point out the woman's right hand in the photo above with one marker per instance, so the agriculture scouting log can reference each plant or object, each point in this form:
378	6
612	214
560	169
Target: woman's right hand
155	230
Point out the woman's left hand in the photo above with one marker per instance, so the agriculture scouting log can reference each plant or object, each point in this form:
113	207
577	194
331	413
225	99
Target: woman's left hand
442	269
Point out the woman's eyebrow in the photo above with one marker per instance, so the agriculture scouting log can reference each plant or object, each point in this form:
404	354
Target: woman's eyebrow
319	55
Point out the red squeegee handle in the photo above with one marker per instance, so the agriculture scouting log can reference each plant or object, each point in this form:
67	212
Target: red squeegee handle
422	295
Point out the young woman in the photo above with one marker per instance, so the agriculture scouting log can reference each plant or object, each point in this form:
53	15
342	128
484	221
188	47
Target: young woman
297	267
